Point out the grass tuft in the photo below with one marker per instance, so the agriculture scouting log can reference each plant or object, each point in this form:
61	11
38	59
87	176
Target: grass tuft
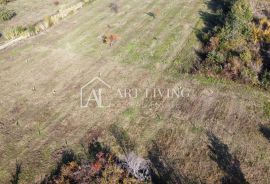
266	109
6	14
14	32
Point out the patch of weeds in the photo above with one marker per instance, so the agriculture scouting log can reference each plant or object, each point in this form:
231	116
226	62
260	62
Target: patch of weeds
46	153
94	147
212	80
133	53
40	130
159	118
196	130
130	113
6	14
31	30
164	47
266	109
185	61
15	32
3	173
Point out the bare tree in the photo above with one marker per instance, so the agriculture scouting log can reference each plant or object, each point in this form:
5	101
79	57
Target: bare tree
138	166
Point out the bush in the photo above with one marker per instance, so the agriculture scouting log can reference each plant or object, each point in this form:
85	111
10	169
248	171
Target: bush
231	51
246	56
216	57
6	14
104	167
261	31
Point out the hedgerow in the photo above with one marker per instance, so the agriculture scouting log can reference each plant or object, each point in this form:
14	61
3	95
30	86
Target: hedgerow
233	46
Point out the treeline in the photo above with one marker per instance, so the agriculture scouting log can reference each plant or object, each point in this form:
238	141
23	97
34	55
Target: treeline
235	42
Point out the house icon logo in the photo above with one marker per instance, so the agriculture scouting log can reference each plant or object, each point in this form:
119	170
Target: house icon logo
92	93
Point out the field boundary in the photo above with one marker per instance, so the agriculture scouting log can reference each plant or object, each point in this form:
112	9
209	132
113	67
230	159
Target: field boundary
46	23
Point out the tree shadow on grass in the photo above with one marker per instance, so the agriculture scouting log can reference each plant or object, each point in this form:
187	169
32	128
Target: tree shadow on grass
265	132
226	162
265	71
122	138
67	157
213	18
162	169
16	176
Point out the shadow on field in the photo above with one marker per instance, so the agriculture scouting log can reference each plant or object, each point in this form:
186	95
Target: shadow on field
226	162
67	157
16	176
213	18
122	138
265	132
162	169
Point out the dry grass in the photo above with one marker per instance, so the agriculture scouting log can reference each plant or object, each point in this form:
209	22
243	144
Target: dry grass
36	123
31	11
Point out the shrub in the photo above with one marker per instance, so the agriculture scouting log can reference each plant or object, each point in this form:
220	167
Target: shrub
105	167
216	57
240	17
6	14
261	31
246	56
231	51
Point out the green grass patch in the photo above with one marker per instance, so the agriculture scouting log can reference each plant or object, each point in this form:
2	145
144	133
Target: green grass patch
266	109
196	130
133	53
186	60
159	118
6	14
130	113
15	32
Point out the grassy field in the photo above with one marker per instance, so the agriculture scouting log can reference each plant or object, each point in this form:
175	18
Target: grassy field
41	78
29	12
